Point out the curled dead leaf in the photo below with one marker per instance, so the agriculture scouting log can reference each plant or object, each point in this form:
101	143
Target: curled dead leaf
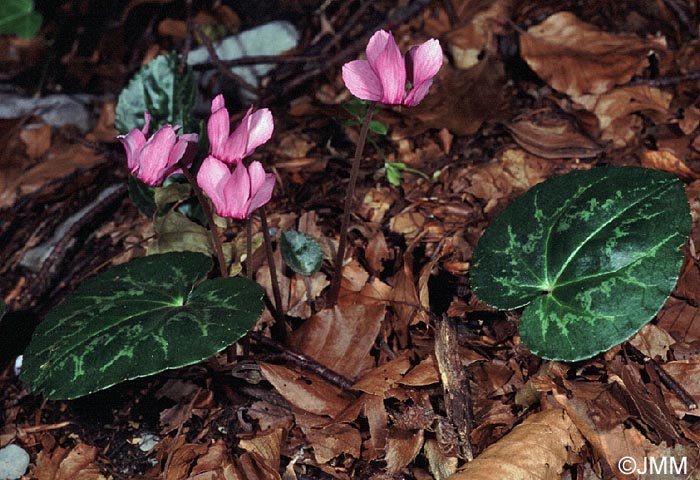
536	449
577	58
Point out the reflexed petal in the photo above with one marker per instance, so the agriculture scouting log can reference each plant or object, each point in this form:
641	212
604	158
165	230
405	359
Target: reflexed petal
260	127
154	155
181	151
217	103
376	45
218	127
237	193
212	176
256	172
361	80
264	193
417	93
133	143
391	69
425	61
235	147
147	123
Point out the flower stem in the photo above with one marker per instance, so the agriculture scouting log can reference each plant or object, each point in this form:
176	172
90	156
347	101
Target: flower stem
279	316
210	219
249	249
340	256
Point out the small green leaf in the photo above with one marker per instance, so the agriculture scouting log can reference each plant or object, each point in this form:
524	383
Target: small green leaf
377	127
301	252
18	17
593	255
140	318
161	90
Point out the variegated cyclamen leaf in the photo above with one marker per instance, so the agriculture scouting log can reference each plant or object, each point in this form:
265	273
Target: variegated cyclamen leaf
593	254
301	252
137	319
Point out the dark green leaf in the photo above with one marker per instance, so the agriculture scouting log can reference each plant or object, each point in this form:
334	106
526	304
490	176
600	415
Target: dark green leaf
301	252
377	127
593	254
137	319
162	91
142	195
18	17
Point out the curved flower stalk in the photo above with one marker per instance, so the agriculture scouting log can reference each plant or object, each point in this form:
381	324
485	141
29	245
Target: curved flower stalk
237	194
389	78
155	159
254	130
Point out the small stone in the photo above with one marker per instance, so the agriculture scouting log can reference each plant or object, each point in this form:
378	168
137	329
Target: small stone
14	462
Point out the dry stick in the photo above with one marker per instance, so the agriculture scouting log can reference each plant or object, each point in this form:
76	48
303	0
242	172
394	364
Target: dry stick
279	316
222	68
210	218
340	256
305	362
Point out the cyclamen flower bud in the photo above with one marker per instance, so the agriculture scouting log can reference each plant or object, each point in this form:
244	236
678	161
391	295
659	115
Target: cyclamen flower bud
389	78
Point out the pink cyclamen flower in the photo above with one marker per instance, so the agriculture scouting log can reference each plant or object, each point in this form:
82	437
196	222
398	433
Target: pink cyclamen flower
237	194
389	78
254	130
155	159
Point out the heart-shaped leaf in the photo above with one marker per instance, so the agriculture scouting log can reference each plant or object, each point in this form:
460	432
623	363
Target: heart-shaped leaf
161	90
593	254
19	17
136	319
301	252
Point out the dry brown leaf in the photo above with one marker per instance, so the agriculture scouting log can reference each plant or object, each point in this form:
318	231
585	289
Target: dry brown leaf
64	464
378	421
461	100
376	252
690	120
57	163
551	134
652	341
423	374
383	378
686	373
377	203
479	32
577	58
36	138
405	298
307	391
329	440
667	161
621	102
341	338
268	446
401	448
538	448
212	464
441	465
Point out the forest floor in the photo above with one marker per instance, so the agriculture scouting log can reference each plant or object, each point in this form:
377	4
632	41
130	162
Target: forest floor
528	90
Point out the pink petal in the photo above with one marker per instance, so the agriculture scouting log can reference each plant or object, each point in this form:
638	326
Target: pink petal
260	127
264	193
361	80
236	144
147	122
133	143
425	61
212	176
218	127
417	94
154	155
183	148
237	193
376	45
391	70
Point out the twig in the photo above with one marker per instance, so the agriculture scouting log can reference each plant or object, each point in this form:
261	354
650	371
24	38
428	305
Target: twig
210	218
340	256
279	315
450	11
221	67
667	81
249	249
305	362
